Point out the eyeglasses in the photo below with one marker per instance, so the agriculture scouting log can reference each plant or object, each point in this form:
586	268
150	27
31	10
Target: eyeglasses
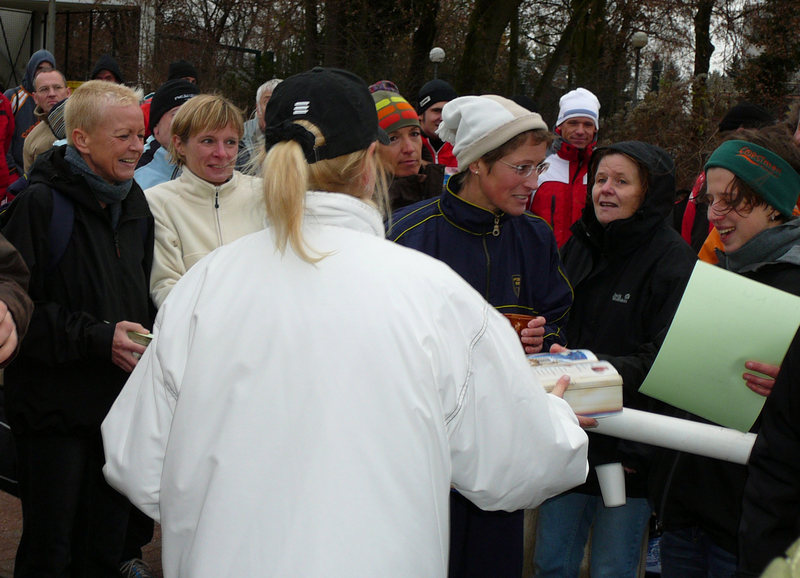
721	205
527	170
47	89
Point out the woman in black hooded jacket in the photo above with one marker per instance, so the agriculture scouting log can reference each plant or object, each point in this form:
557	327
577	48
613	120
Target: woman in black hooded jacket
628	268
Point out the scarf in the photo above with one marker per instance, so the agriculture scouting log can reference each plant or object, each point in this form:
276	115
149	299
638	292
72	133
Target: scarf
781	243
110	194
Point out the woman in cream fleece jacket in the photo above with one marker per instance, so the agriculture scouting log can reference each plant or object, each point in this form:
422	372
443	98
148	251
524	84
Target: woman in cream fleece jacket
210	204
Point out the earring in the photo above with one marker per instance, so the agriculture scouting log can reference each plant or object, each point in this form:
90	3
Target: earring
476	172
773	217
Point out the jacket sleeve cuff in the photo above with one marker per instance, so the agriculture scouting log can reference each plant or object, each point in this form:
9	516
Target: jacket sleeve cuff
100	339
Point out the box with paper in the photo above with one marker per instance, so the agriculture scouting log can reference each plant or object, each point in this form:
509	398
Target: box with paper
595	386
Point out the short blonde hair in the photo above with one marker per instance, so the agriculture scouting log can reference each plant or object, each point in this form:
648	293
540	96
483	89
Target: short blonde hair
204	112
87	106
287	177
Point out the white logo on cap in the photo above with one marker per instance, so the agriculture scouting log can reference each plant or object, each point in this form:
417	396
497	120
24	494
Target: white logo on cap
301	107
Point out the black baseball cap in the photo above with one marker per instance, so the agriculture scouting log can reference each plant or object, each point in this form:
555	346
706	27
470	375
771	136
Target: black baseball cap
336	101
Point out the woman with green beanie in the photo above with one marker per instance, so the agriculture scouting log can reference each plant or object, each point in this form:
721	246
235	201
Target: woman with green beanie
752	188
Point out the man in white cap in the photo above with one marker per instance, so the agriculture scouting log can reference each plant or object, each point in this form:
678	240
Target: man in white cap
562	187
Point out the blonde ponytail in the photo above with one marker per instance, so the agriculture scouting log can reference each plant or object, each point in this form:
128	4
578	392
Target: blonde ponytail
287	176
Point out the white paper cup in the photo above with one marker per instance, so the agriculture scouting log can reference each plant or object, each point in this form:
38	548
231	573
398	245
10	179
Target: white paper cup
612	484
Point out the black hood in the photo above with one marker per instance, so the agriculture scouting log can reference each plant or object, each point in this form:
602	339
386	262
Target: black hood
30	70
107	62
656	207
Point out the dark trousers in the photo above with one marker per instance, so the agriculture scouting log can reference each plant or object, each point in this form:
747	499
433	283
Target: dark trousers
484	544
139	534
691	553
73	523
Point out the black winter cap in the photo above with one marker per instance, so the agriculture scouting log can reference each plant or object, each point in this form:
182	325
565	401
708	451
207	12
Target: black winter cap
107	62
746	115
169	95
435	91
181	69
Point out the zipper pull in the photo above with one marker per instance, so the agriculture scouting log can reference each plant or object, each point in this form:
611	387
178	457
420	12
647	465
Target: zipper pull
116	244
216	198
496	228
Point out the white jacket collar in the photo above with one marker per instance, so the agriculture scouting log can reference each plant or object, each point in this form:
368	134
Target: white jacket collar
202	189
340	210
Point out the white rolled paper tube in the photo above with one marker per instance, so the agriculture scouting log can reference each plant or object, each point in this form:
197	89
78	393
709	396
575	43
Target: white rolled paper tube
703	439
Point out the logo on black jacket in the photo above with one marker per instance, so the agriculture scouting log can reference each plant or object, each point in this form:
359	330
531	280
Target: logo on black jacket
620	298
516	282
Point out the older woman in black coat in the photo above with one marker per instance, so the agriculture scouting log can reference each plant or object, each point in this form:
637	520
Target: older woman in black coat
628	268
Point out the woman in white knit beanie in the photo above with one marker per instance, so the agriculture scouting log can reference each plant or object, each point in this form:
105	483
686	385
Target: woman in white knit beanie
480	228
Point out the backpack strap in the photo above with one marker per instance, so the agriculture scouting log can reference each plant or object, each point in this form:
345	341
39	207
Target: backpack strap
60	229
61	223
18	99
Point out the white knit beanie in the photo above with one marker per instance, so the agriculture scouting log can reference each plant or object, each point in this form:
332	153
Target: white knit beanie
579	102
476	125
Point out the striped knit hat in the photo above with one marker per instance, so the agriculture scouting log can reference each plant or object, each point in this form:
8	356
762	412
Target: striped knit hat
579	102
394	112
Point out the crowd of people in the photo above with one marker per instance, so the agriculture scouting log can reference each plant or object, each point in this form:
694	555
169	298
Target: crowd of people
282	337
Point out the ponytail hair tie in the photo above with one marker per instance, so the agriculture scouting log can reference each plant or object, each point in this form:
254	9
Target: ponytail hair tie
290	130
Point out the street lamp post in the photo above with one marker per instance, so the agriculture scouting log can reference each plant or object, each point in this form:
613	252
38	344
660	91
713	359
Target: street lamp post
436	56
639	40
51	27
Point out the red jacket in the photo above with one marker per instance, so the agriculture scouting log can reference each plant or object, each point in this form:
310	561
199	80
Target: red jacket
443	156
6	134
561	195
146	113
693	230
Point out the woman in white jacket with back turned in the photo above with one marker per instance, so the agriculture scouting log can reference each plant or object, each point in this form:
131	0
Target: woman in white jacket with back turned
210	204
313	390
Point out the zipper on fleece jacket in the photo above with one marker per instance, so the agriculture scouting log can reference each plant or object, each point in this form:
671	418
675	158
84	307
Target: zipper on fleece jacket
216	217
